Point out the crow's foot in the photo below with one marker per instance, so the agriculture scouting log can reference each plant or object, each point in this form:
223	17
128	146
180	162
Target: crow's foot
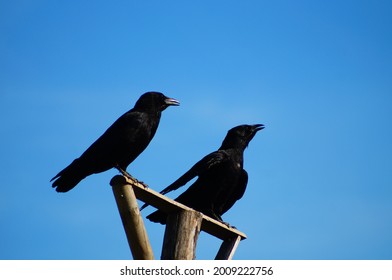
129	176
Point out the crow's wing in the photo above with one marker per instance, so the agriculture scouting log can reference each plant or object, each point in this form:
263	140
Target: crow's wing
205	164
238	193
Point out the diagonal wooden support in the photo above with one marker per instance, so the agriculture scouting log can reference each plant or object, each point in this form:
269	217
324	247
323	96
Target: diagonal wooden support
230	236
227	249
131	219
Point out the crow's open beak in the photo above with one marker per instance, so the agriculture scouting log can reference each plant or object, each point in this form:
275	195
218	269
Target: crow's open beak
172	102
258	127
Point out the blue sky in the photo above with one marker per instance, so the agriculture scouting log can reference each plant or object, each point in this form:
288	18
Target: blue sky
316	73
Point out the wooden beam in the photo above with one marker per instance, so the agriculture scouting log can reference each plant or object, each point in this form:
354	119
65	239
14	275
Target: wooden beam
131	219
168	205
181	234
227	249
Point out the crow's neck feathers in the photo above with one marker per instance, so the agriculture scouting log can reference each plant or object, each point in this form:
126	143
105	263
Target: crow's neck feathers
237	143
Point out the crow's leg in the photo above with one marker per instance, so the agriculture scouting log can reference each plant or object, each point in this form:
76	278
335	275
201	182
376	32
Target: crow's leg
219	218
129	176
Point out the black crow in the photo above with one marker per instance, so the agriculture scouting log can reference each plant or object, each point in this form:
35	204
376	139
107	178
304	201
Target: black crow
221	178
121	143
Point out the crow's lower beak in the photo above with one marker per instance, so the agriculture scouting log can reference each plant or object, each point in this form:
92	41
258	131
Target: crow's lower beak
172	102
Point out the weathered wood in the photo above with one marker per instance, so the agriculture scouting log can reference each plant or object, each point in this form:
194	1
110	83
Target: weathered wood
168	205
131	219
182	229
219	229
181	234
227	249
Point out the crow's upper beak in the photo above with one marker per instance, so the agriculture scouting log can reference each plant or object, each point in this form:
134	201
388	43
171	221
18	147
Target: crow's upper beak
172	102
258	127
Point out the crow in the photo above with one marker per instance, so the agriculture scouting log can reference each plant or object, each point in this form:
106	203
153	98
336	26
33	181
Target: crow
120	144
221	178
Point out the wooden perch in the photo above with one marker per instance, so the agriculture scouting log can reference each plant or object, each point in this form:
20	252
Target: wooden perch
179	214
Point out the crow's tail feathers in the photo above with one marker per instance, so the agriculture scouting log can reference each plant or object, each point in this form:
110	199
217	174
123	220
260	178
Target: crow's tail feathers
68	178
157	217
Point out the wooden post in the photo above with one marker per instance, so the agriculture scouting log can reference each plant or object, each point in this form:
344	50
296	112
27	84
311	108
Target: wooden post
227	249
183	224
181	233
131	219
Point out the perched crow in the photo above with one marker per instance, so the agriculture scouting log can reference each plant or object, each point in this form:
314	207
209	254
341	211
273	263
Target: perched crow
121	143
221	177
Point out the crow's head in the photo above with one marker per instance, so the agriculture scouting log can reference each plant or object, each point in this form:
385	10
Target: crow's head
240	136
155	101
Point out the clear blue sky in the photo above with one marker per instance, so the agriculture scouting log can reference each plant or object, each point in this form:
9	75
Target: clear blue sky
318	74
